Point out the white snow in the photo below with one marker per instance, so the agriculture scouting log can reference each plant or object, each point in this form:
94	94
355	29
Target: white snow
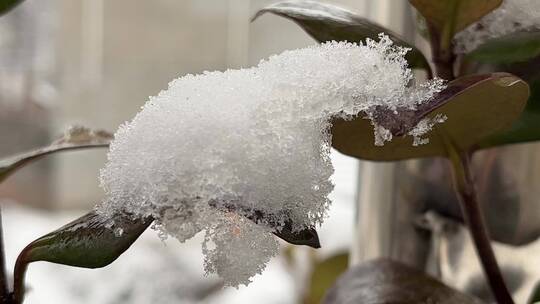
218	147
512	16
155	272
423	127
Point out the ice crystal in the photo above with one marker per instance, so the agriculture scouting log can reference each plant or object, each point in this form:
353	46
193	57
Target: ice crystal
240	153
423	127
381	134
236	248
512	16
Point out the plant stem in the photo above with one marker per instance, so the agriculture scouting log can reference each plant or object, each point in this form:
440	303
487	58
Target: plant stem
444	60
442	54
18	279
4	290
464	184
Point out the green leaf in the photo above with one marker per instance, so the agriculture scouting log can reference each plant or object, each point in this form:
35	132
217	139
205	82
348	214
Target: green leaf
90	241
476	106
535	295
325	22
323	276
449	17
526	128
7	5
516	47
75	139
385	281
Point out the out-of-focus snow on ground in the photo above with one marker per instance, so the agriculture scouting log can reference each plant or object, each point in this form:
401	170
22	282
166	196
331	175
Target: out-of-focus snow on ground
157	272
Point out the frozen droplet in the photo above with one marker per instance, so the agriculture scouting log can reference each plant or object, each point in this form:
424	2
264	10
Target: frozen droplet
118	232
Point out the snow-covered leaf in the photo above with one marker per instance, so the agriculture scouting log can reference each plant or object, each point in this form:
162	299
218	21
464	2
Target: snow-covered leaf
90	241
512	16
449	17
306	236
325	22
385	281
7	5
76	138
516	47
476	107
215	151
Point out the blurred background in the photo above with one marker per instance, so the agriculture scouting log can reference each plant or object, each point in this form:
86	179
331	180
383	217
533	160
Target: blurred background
96	62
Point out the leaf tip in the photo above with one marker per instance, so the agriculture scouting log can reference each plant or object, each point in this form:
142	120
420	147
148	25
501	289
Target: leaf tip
257	15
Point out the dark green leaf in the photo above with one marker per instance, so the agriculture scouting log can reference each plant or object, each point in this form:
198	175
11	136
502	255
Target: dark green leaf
449	17
535	295
527	127
7	5
476	106
325	22
307	236
516	47
323	276
76	139
90	241
388	282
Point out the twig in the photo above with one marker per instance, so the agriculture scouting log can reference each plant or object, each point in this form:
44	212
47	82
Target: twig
442	54
444	59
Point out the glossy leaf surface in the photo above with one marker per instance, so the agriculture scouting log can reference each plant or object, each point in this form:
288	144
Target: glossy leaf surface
388	282
90	241
476	107
527	127
325	22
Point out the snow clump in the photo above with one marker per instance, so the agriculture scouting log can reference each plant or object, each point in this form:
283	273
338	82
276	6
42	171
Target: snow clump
512	16
217	150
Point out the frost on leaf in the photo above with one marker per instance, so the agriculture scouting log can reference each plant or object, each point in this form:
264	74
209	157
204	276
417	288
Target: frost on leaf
243	153
423	127
512	16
